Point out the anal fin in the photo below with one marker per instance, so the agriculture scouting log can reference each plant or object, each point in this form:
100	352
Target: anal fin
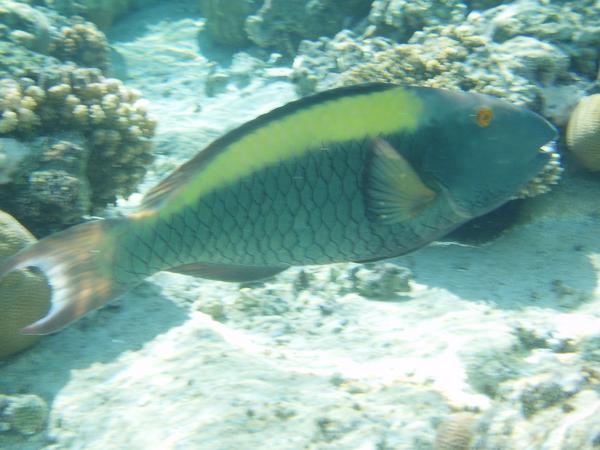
236	274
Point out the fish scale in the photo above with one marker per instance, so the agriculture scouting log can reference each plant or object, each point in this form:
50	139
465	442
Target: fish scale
282	225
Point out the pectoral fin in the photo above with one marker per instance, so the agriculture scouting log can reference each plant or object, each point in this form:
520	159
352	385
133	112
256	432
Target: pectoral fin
238	274
395	192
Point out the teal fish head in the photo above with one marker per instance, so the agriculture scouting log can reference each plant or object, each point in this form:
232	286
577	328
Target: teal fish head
482	150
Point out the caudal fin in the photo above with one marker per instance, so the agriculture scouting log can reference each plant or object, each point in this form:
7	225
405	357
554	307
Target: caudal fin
77	263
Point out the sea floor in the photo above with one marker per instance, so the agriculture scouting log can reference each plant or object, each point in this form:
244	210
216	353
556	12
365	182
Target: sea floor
499	343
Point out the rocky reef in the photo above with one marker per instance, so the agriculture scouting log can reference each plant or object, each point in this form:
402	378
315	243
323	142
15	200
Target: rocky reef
102	12
481	53
73	139
44	31
400	19
279	25
225	20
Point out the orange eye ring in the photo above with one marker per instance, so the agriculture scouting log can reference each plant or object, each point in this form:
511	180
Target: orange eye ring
484	117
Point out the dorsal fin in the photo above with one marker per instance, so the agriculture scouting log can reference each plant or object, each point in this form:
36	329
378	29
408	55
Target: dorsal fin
167	188
156	196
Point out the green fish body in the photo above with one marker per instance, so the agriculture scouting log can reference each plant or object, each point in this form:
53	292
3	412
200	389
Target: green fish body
352	174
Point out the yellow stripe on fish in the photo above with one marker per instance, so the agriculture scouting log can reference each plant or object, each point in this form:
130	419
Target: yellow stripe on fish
302	126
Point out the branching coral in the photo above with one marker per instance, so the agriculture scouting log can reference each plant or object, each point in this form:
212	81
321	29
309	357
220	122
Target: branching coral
109	133
46	32
66	113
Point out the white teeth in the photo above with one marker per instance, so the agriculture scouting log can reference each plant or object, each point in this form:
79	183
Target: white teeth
550	147
548	176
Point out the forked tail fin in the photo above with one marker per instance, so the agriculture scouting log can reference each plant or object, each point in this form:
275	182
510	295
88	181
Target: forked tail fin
78	263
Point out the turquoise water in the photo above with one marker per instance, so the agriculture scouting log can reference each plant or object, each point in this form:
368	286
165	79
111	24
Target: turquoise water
487	338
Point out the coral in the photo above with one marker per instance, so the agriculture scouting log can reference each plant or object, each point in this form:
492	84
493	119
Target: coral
25	25
46	32
319	61
225	20
570	25
102	12
444	57
25	414
456	432
513	51
103	154
399	19
90	135
438	63
83	44
541	396
380	281
282	24
24	294
456	57
56	190
536	61
583	132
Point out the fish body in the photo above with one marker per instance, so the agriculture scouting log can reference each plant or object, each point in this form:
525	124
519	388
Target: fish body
352	174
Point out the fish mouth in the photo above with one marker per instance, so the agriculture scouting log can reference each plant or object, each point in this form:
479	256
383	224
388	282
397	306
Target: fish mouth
550	133
547	176
548	147
548	173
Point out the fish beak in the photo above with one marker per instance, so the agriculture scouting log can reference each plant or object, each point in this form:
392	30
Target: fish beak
549	147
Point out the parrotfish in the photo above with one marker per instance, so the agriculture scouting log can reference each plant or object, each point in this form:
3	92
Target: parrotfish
359	173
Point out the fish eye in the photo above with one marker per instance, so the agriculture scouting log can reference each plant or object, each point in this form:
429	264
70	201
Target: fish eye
484	116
